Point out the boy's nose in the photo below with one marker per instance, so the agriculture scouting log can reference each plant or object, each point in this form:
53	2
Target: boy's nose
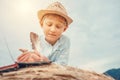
52	29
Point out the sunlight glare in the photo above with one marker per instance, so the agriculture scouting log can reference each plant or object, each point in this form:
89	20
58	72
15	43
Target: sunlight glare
24	6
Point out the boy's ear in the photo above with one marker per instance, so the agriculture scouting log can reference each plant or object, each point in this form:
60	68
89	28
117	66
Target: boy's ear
65	28
40	24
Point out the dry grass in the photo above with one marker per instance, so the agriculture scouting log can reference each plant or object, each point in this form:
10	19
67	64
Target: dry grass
53	72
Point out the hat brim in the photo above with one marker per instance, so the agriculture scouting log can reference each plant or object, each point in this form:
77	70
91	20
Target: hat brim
41	13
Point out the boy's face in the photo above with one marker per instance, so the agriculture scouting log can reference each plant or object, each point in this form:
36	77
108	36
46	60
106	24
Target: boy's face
53	26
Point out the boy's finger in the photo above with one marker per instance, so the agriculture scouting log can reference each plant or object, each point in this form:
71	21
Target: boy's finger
23	57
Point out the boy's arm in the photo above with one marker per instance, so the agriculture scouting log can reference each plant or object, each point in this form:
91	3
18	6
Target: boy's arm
63	56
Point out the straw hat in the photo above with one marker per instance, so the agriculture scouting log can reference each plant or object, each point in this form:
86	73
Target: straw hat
55	8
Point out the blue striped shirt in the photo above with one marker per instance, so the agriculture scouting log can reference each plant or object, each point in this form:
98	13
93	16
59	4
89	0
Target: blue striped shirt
59	52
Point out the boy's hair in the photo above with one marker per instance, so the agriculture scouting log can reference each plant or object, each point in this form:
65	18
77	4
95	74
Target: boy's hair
57	16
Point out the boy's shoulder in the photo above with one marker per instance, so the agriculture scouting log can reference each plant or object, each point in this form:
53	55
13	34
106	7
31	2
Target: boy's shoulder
64	39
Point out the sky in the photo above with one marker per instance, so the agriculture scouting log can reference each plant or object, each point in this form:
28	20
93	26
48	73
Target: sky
94	33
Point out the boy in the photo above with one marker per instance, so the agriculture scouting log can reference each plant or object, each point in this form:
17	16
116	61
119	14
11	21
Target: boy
53	45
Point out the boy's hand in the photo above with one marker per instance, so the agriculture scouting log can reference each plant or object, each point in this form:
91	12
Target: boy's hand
31	56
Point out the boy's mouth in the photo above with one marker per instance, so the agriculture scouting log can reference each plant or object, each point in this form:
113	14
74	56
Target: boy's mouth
51	35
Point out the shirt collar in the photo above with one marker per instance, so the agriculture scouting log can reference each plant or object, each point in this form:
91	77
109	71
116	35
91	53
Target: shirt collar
45	43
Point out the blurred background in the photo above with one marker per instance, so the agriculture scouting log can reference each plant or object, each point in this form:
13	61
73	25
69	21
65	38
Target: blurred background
94	33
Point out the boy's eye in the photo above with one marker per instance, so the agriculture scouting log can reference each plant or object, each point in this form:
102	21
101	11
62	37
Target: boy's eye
58	27
49	24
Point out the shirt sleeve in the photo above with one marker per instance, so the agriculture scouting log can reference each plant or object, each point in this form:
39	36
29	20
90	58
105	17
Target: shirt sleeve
63	53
